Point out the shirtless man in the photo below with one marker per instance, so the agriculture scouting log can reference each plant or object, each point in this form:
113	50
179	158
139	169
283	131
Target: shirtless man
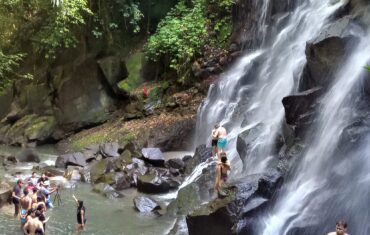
220	134
221	172
26	203
340	228
214	139
34	226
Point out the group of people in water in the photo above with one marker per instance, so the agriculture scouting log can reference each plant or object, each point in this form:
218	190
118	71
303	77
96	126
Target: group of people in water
33	204
219	142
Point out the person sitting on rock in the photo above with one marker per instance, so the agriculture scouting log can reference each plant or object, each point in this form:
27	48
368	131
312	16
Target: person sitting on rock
222	173
340	228
220	134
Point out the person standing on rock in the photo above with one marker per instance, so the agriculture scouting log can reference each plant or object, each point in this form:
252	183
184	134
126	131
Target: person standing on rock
214	139
222	169
340	228
16	196
220	134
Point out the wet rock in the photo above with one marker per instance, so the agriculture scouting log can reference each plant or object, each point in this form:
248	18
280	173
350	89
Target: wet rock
110	150
8	160
145	204
52	171
27	155
153	156
202	153
102	172
74	173
241	203
325	55
107	191
300	109
152	184
122	181
354	135
175	163
5	193
180	227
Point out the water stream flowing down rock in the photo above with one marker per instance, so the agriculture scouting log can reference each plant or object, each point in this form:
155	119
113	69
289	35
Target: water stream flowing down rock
296	108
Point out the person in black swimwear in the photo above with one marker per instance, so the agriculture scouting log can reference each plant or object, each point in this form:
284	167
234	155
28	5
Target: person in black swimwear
81	212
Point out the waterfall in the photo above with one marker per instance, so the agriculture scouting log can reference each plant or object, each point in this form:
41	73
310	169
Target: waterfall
327	186
249	94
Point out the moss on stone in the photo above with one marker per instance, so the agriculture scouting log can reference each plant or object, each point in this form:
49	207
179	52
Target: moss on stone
133	80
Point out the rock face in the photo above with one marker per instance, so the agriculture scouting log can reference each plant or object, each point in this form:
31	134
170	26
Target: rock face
81	97
114	70
300	109
230	215
145	204
325	55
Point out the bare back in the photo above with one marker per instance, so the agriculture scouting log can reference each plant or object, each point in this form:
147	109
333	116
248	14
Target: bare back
221	132
32	225
26	202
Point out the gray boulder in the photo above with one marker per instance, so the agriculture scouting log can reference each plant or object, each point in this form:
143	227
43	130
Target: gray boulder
27	155
153	156
145	204
109	150
175	163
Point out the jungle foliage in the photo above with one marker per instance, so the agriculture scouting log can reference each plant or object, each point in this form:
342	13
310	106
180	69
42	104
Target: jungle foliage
187	28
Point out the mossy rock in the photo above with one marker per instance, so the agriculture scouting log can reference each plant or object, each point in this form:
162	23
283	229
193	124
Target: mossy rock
16	132
41	128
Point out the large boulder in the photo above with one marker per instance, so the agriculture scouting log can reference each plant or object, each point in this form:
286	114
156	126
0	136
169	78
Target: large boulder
36	98
174	136
71	159
230	214
102	171
145	204
355	134
81	98
153	183
202	154
110	150
41	129
27	155
175	163
122	181
114	70
107	191
300	109
325	54
153	156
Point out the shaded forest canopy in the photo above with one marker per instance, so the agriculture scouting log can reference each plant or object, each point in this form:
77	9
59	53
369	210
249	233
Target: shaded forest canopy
36	32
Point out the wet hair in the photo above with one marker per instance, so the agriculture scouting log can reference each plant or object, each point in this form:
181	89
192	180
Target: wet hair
33	173
342	223
217	125
38	213
30	211
223	159
40	207
34	190
80	204
19	181
40	199
25	191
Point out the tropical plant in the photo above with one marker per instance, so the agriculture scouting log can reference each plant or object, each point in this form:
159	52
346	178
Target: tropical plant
8	64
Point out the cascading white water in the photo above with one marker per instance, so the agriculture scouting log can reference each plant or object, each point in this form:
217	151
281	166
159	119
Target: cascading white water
313	195
231	100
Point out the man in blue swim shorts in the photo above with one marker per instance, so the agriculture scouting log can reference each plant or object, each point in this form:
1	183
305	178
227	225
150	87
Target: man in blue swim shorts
220	134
